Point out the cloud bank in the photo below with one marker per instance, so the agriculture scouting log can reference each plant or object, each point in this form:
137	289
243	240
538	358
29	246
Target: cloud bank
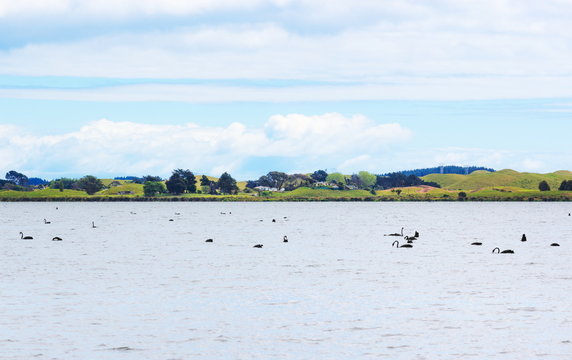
105	147
372	49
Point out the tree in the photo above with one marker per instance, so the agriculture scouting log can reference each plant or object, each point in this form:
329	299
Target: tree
146	178
153	188
64	183
17	178
566	185
295	181
367	179
543	186
277	178
90	184
319	175
181	181
337	177
205	181
462	196
227	184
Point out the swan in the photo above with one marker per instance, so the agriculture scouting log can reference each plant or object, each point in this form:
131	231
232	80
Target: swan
477	243
555	244
503	252
395	234
408	238
47	222
209	240
416	234
285	239
25	237
523	238
56	238
258	246
273	220
171	220
93	224
402	246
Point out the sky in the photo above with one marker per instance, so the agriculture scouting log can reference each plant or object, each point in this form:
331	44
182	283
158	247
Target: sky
136	87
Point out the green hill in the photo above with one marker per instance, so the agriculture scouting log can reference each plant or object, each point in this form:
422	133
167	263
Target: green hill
483	179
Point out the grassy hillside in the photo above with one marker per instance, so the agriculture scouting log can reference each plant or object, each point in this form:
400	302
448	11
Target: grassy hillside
484	179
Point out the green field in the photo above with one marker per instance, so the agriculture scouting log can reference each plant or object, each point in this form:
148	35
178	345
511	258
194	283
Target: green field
483	179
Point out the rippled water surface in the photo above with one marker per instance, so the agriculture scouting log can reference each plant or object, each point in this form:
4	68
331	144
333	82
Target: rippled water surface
139	286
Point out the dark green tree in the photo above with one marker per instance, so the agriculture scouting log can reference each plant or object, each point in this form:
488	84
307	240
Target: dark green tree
182	181
146	178
65	183
566	185
543	186
90	184
205	181
17	178
319	175
462	196
227	184
153	188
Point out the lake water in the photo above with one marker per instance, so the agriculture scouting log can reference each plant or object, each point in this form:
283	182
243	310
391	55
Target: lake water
139	286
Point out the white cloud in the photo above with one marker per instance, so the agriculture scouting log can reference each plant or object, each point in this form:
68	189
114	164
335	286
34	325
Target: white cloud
118	148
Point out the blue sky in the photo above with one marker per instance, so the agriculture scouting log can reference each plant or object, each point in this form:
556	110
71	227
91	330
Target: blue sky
130	87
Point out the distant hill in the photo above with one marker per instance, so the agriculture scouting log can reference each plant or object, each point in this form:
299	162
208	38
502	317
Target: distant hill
481	179
449	169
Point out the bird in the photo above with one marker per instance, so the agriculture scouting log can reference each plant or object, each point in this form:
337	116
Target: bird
93	224
258	246
57	238
209	240
409	238
523	238
25	237
395	234
503	252
402	246
477	243
47	222
285	239
273	220
555	244
171	220
416	234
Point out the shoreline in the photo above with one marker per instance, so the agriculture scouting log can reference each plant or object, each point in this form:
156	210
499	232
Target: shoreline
246	199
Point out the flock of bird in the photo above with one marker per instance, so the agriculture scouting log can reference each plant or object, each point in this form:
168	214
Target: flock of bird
210	240
410	239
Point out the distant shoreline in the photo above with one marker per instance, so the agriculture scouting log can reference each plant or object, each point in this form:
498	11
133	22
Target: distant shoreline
254	199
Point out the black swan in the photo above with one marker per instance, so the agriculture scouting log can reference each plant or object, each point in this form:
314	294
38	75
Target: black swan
56	238
93	224
258	246
395	234
402	246
285	239
46	221
555	244
503	252
209	240
477	243
523	238
25	237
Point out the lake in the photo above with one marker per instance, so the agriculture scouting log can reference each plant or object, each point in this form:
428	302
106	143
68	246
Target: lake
139	286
